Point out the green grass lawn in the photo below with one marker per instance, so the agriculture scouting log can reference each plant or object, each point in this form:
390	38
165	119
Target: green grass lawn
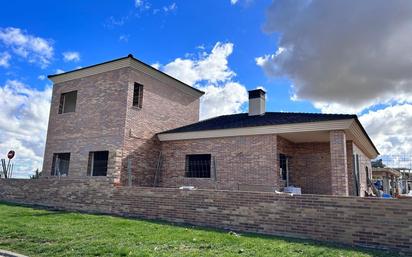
37	232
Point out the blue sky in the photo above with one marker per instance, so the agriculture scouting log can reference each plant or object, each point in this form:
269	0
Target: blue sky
310	56
94	28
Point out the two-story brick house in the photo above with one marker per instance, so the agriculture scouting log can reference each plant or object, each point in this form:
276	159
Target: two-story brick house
128	122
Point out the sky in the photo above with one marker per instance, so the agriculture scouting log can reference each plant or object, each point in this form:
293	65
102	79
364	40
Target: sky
309	55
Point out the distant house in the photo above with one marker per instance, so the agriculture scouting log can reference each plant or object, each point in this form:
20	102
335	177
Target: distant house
128	122
387	179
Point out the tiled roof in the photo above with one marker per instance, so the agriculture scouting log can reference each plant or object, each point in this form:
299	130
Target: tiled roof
243	120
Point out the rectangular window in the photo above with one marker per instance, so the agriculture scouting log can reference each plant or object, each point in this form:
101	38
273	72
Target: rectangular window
60	165
98	163
68	102
138	95
198	165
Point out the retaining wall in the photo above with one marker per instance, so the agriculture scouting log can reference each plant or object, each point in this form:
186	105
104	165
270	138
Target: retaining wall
370	222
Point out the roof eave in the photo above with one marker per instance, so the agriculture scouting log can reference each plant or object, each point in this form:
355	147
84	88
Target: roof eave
117	64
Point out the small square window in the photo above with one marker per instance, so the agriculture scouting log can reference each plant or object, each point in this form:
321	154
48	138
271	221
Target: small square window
138	95
198	165
60	165
68	102
98	163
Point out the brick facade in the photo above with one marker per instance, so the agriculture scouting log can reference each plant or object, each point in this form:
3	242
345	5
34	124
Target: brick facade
371	222
164	107
240	162
310	165
105	120
94	126
252	163
339	165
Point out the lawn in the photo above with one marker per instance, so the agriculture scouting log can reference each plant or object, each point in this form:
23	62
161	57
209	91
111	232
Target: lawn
37	232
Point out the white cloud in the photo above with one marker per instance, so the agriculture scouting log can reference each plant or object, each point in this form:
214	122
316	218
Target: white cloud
212	67
34	49
41	77
23	124
352	53
71	56
220	100
124	38
59	71
170	8
390	129
4	59
210	72
156	65
142	4
138	3
233	2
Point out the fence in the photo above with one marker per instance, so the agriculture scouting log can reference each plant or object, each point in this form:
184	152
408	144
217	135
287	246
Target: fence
370	222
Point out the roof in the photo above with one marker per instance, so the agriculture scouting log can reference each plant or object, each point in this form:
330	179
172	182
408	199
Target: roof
379	171
134	59
243	120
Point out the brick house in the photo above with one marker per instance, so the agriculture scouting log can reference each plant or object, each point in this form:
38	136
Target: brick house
125	121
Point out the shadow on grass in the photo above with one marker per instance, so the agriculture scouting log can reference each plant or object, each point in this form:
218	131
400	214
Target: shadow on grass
306	242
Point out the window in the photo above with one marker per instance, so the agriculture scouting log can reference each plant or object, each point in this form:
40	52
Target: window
60	165
138	95
68	102
198	165
98	163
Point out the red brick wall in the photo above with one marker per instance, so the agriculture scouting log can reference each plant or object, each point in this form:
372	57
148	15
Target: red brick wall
105	120
364	162
248	162
372	222
309	165
339	165
164	108
94	126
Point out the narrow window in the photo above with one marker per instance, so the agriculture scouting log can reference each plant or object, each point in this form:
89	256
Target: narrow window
198	165
60	165
68	102
98	163
138	95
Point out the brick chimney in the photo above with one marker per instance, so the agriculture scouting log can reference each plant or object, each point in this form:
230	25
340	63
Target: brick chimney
257	102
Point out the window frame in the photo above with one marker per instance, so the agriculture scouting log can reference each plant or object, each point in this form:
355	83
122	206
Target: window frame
138	90
206	168
62	102
54	160
91	164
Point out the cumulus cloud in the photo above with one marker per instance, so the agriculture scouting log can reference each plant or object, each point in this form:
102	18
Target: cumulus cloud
220	100
34	49
210	72
350	53
212	66
390	129
71	56
23	124
4	59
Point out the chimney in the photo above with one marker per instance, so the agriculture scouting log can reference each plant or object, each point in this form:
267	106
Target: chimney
257	102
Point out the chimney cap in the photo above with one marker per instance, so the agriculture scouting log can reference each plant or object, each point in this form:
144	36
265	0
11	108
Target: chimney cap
256	93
